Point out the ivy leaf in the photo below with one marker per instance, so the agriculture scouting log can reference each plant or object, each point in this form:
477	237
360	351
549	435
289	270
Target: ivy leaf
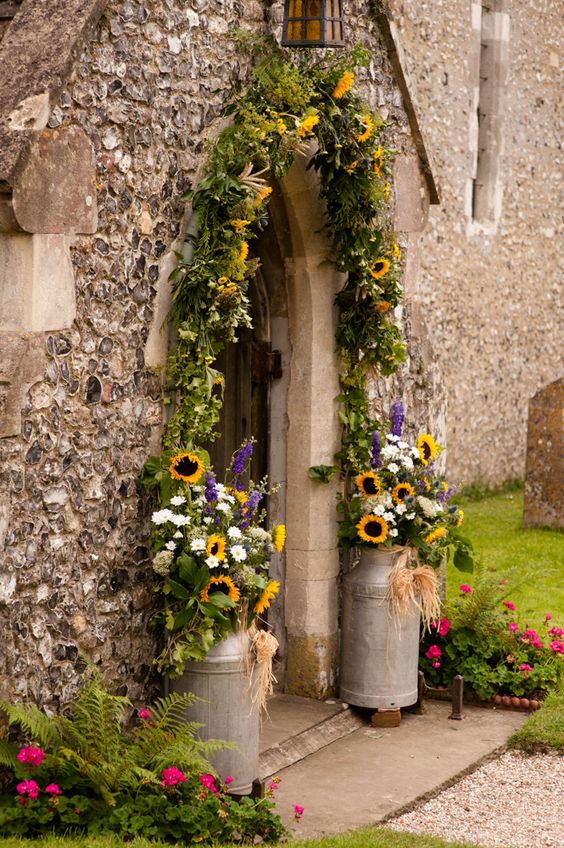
322	473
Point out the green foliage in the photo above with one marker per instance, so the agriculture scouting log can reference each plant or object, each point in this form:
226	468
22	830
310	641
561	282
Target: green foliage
544	729
110	777
322	473
485	643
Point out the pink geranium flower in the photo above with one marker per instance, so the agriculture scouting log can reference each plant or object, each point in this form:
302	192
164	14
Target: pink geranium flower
436	665
531	637
510	605
208	781
228	780
298	811
144	714
548	617
465	588
172	776
513	627
524	668
442	626
53	789
28	787
31	756
433	652
556	631
557	647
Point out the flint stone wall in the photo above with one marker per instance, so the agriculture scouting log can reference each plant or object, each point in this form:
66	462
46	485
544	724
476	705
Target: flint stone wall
76	573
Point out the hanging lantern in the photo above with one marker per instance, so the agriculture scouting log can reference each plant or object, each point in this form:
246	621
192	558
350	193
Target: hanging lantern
313	23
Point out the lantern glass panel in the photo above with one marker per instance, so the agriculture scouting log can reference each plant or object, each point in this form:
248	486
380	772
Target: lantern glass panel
313	23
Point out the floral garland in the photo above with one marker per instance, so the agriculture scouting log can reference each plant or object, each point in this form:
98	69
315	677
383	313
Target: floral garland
288	104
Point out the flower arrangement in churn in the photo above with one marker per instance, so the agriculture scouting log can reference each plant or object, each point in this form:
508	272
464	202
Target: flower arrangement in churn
401	502
211	554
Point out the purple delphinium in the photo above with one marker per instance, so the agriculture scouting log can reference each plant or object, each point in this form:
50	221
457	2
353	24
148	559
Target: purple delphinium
239	462
375	460
444	495
210	492
397	415
248	508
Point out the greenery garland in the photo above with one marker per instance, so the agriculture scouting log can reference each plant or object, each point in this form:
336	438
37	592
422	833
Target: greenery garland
289	103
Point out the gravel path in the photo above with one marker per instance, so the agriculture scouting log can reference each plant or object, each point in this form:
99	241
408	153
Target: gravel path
516	801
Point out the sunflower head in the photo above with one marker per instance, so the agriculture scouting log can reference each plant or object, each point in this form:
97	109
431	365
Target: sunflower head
380	267
369	484
439	533
428	448
186	466
403	491
221	584
279	536
373	528
459	517
216	547
267	595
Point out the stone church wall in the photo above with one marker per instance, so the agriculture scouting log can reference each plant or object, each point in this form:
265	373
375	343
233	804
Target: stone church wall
76	576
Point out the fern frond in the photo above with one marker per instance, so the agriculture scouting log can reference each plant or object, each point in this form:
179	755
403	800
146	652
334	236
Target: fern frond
34	723
8	754
169	713
97	719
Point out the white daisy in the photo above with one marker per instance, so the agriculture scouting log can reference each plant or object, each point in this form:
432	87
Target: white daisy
403	445
208	519
389	452
222	506
389	516
393	467
198	545
178	500
391	438
238	553
410	516
170	546
180	520
407	462
162	516
178	535
234	533
212	561
401	508
392	532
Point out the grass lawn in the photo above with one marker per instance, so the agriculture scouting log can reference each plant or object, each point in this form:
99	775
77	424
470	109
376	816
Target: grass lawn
493	524
543	730
365	838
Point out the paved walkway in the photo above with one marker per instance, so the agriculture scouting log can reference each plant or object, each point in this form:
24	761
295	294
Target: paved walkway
370	773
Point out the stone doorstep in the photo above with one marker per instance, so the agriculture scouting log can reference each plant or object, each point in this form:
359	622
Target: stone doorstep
309	741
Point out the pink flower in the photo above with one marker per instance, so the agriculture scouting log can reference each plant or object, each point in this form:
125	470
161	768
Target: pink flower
208	781
510	605
53	789
28	787
531	637
172	776
436	665
465	588
442	626
228	780
513	627
433	652
144	714
556	631
298	811
557	647
30	755
273	785
525	668
548	617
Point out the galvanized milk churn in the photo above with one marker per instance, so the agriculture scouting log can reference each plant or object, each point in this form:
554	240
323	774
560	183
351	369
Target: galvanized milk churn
379	650
226	708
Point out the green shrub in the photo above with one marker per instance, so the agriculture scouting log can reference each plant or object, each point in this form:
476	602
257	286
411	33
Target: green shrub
87	773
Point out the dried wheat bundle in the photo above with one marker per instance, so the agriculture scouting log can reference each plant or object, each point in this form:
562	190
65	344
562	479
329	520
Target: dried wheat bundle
414	584
265	646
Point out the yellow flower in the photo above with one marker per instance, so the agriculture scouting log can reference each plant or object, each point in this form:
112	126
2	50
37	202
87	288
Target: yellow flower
403	491
368	125
378	155
186	466
343	85
279	536
428	448
369	484
352	167
396	251
307	125
218	381
281	126
439	533
244	252
382	306
238	224
216	547
242	497
222	282
268	594
460	517
264	193
372	528
379	268
223	584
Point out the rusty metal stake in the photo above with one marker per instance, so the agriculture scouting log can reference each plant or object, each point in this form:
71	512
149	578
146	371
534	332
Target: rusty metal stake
457	696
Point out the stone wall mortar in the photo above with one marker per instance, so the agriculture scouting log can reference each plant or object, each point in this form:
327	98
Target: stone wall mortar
76	570
492	302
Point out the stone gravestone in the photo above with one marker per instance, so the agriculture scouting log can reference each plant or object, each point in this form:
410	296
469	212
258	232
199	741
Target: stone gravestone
544	475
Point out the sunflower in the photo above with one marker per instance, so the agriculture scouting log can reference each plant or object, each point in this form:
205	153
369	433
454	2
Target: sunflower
264	193
343	85
368	125
216	547
378	161
268	593
279	536
427	447
281	126
186	466
222	584
396	251
352	167
239	224
307	125
372	528
379	268
403	491
244	252
242	497
459	517
382	306
439	533
369	484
